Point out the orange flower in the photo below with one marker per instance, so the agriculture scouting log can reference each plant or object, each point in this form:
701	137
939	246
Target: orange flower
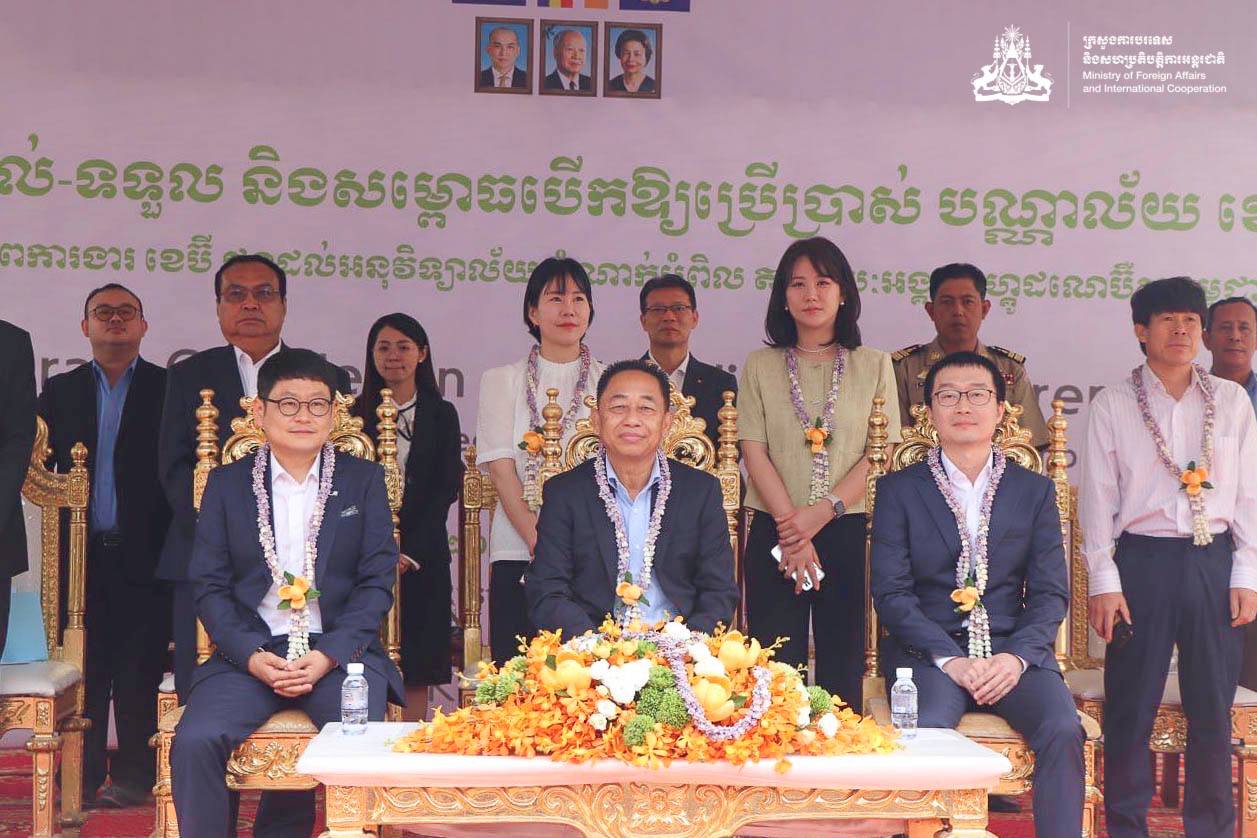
1193	489
735	655
714	694
295	592
816	437
966	598
628	592
531	442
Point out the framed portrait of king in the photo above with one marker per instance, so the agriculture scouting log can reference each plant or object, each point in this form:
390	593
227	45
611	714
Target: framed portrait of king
567	58
503	55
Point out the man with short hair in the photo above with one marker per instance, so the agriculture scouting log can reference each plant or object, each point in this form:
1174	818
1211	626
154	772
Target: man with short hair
969	579
284	622
957	307
669	314
252	297
569	60
1168	507
113	404
633	496
17	437
502	49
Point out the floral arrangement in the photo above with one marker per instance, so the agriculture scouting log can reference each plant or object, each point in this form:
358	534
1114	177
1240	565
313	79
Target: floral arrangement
647	696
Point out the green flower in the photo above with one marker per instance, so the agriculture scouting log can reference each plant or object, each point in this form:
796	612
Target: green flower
648	701
822	702
672	710
636	729
661	677
485	692
518	664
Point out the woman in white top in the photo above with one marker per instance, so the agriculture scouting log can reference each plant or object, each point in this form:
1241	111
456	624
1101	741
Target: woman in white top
803	410
558	309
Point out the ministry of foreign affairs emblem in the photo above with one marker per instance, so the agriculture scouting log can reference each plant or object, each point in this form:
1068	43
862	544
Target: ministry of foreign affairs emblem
1010	77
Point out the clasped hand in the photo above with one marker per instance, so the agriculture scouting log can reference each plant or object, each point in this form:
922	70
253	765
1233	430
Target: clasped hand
289	679
794	533
986	679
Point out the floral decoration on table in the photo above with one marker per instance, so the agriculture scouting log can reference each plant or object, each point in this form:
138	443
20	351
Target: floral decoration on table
647	696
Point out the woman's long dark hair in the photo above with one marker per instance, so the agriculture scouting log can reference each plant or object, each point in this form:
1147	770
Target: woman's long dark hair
373	382
828	260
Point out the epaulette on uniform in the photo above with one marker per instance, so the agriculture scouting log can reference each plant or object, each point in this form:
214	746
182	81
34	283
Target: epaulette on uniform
905	352
1015	357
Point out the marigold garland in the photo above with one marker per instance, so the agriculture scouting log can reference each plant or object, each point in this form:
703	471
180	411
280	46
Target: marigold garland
583	699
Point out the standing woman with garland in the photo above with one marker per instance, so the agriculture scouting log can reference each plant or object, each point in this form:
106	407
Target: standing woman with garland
429	452
558	309
803	409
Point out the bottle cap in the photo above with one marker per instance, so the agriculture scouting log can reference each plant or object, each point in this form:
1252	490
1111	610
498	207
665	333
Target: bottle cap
904	672
356	668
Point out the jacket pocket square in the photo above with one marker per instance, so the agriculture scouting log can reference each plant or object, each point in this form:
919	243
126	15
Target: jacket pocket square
349	512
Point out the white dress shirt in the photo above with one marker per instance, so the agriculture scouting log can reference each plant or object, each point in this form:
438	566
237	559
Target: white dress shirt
502	419
677	377
249	370
1126	488
292	503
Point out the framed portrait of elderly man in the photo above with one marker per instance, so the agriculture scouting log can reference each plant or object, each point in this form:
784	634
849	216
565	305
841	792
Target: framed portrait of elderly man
503	55
634	60
567	58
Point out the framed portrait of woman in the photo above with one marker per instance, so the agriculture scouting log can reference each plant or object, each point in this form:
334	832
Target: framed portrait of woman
634	61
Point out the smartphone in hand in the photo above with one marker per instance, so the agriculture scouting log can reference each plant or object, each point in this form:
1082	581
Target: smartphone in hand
807	580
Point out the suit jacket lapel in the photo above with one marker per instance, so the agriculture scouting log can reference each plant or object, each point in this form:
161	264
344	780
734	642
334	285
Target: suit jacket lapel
331	520
605	531
86	396
134	404
665	527
693	383
938	509
1003	508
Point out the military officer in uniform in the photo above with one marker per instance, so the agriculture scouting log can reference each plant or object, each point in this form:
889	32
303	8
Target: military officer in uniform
958	305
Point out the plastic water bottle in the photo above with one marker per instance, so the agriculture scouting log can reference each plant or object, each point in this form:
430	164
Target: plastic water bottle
903	703
353	702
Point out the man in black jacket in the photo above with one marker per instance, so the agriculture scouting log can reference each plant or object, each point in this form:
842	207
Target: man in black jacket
112	404
17	435
669	313
579	574
251	293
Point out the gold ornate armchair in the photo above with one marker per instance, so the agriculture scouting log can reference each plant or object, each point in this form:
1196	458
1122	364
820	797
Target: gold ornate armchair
684	441
987	728
267	760
47	696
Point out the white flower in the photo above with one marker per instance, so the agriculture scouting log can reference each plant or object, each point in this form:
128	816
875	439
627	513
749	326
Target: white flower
598	670
698	651
584	643
602	691
828	725
807	737
598	721
676	631
802	690
805	716
626	680
709	666
607	708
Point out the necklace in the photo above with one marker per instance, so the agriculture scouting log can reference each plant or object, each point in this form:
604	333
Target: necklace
629	591
816	433
295	591
532	440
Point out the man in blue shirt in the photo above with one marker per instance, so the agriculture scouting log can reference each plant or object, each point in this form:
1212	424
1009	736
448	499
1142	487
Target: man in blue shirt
113	404
588	564
1231	336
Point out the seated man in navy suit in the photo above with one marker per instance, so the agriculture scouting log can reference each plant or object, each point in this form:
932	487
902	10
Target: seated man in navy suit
969	578
289	603
629	528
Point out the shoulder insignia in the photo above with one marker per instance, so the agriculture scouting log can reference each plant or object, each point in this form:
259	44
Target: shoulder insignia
1015	357
905	352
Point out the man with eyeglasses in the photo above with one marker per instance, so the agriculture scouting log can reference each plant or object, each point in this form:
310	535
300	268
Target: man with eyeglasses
286	620
17	435
969	579
669	313
113	405
957	307
251	292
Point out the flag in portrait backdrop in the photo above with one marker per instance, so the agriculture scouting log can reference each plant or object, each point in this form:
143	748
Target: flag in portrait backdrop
492	2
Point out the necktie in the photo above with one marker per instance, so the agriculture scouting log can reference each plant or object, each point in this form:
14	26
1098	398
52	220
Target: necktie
504	81
571	85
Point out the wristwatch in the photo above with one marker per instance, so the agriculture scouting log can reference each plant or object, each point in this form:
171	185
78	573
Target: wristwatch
840	506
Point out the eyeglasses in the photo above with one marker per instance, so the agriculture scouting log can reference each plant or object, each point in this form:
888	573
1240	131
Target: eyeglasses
678	309
291	407
951	398
237	294
106	313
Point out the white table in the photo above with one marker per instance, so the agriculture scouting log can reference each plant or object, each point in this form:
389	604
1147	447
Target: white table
940	776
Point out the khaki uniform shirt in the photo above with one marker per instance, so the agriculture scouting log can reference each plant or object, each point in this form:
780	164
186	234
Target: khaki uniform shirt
766	414
913	363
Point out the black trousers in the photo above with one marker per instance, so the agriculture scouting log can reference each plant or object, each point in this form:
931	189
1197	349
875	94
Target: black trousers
6	594
1039	708
835	612
183	627
1178	594
508	611
222	710
127	627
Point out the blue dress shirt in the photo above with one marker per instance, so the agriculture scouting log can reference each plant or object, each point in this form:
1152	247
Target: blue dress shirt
109	404
636	514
